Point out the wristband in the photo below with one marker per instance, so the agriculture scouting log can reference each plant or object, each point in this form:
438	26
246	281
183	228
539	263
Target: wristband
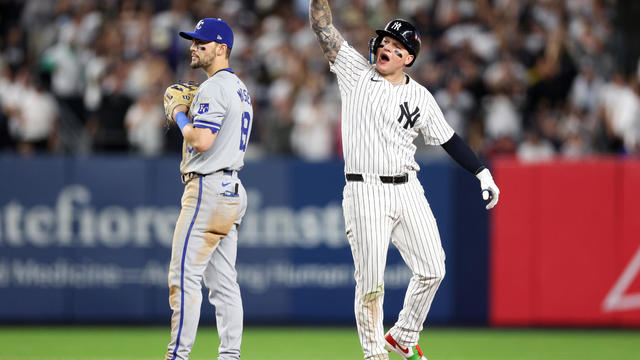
182	120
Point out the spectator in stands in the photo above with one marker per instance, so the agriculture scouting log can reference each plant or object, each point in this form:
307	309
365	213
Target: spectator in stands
32	113
620	108
574	147
276	121
144	123
62	60
165	24
577	130
107	123
502	116
14	48
312	136
456	103
535	148
586	89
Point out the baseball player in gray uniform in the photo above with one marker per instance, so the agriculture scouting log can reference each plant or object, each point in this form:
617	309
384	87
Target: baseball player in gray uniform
383	110
216	131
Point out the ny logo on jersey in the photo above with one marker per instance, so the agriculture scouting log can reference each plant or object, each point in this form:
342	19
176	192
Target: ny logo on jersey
411	117
396	26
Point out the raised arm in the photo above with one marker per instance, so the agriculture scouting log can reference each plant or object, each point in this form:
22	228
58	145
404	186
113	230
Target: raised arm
327	35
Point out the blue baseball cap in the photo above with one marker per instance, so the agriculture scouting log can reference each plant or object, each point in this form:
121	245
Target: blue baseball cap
211	29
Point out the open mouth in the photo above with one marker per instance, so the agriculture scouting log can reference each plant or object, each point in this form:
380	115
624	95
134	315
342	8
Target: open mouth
384	58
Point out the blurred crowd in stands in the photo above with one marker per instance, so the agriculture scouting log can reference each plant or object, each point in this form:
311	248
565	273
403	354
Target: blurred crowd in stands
537	79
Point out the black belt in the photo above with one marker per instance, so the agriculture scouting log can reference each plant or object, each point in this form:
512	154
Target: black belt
192	175
398	179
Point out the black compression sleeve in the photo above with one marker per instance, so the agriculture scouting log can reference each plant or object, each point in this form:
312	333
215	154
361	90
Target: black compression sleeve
462	154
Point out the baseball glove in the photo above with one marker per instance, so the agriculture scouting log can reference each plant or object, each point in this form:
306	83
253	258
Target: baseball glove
181	93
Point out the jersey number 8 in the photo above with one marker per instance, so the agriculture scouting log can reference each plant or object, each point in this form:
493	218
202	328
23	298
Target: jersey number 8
244	130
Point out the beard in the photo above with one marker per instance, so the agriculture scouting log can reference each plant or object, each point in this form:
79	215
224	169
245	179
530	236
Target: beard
195	63
199	62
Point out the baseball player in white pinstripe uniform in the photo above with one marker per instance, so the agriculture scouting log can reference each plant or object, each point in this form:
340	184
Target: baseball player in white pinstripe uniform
383	110
216	132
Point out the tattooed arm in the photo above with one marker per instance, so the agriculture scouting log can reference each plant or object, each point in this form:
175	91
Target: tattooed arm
327	35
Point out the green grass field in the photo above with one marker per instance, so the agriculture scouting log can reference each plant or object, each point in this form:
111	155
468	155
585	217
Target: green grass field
307	343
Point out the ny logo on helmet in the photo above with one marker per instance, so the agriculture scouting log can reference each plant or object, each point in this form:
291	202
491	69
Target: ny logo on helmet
396	26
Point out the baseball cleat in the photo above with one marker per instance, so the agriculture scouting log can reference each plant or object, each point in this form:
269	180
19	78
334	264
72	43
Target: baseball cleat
409	353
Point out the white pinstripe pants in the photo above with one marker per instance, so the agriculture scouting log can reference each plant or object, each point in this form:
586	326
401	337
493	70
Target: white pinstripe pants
375	212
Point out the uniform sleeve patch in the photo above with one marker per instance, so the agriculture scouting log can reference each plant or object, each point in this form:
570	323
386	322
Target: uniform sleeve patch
204	108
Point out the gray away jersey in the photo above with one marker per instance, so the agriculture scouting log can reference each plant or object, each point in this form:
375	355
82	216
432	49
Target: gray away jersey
380	121
221	104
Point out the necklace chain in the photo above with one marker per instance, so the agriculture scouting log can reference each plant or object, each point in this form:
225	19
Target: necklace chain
398	82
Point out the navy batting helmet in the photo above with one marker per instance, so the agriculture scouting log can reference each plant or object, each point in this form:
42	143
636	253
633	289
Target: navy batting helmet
400	30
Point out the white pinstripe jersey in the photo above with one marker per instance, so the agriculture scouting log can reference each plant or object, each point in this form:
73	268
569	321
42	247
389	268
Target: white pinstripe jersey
380	121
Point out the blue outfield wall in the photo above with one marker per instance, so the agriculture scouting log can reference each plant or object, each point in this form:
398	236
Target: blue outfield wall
88	239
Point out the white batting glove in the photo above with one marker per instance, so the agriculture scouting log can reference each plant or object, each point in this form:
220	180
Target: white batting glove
490	190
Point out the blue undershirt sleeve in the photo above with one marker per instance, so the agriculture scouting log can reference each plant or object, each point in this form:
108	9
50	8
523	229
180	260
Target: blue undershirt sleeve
462	154
182	120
